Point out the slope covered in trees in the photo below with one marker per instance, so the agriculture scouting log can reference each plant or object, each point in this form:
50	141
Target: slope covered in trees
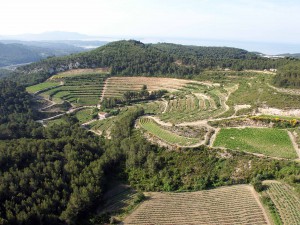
16	114
16	54
19	52
135	58
288	75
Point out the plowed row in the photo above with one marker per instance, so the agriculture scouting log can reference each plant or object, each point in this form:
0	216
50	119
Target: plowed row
152	127
116	86
286	202
226	205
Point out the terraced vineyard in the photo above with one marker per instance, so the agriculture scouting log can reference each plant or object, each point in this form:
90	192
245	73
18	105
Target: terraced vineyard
267	141
194	103
42	86
152	127
287	202
79	90
154	107
227	205
116	86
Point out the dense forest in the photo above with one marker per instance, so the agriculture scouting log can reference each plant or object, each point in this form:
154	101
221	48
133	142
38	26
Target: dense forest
16	114
127	58
288	75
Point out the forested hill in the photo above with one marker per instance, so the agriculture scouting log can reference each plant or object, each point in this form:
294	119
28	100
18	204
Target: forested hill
16	54
135	58
200	52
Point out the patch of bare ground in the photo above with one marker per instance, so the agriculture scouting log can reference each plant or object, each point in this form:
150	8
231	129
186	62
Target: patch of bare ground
261	71
226	205
85	71
279	112
285	90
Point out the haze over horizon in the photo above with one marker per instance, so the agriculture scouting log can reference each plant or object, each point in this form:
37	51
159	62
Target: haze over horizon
267	26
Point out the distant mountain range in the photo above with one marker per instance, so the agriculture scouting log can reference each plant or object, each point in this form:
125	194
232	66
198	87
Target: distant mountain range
49	36
21	49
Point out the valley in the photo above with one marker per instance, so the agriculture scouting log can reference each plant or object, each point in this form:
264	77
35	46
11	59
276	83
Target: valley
171	141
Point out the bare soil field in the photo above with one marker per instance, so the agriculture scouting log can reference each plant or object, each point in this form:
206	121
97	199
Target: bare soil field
116	86
76	72
237	204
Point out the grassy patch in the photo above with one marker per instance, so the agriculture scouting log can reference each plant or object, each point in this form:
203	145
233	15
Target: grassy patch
57	121
85	115
41	86
267	141
257	93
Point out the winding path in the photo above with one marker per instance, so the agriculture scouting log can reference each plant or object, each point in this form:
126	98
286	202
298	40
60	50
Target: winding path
293	140
62	114
166	107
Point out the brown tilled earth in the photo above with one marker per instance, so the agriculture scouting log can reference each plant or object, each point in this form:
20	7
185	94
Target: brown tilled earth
119	85
227	205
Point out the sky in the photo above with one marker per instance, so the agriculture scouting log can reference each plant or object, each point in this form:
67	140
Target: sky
263	21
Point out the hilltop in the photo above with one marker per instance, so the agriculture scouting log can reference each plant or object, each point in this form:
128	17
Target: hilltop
132	57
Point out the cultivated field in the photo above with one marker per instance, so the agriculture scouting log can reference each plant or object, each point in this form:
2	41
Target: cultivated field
41	86
227	205
267	141
286	201
116	86
80	72
85	115
153	107
78	90
195	105
152	127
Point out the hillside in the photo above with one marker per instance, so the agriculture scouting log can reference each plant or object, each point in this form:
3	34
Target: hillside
17	54
14	52
129	58
85	144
